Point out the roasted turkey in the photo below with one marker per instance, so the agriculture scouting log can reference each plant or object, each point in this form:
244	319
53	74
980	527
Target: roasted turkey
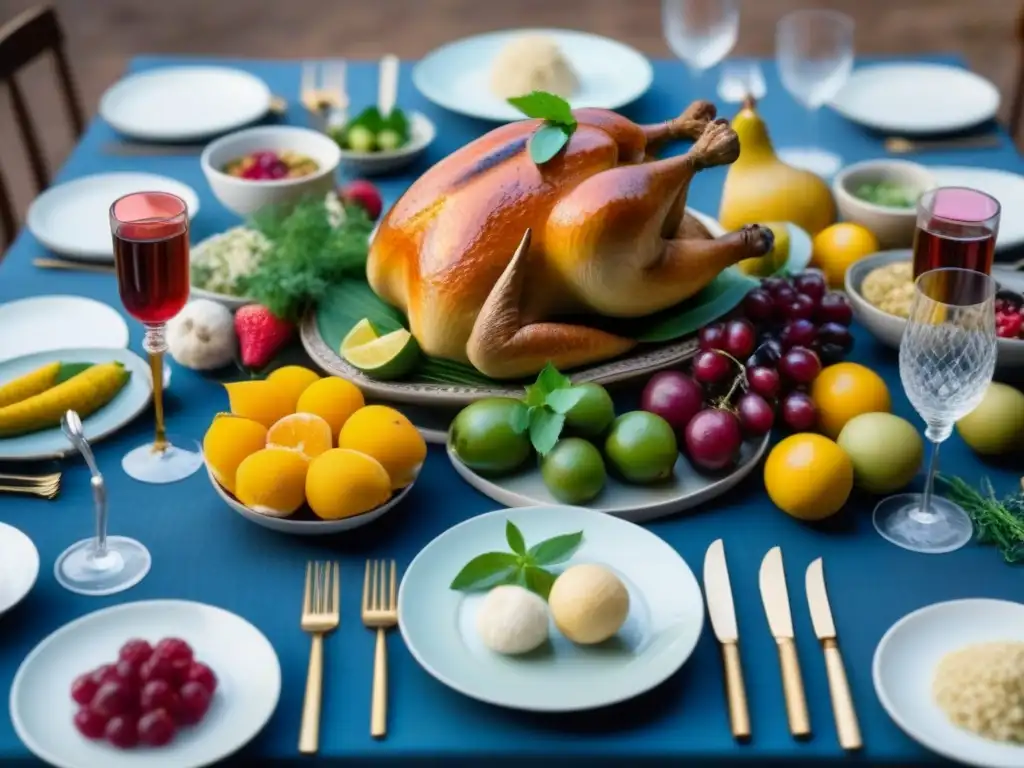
487	250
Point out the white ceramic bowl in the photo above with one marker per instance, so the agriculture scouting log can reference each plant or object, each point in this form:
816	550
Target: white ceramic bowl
421	133
894	227
244	196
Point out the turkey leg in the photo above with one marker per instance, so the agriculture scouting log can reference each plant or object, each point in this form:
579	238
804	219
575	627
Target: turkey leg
689	125
503	347
698	262
717	144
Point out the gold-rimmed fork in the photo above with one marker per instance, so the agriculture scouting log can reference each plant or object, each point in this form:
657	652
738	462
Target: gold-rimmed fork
320	615
46	486
322	89
380	613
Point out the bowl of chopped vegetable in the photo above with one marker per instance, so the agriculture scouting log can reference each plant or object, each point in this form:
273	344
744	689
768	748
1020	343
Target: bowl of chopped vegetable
882	196
373	144
221	264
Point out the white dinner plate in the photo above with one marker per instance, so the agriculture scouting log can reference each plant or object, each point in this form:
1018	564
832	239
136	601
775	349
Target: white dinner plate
904	668
247	670
42	323
456	76
666	615
74	218
917	98
19	566
1006	187
184	103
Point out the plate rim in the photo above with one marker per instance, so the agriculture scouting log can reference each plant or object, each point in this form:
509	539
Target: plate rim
132	78
880	691
488	699
38	648
35	573
75	298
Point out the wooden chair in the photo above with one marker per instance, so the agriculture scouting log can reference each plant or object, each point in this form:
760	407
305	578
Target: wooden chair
1017	104
22	40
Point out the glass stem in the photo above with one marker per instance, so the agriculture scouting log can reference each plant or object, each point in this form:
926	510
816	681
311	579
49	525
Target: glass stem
155	344
925	514
99	492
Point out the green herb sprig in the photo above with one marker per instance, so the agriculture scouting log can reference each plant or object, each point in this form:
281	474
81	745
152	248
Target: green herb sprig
521	566
997	522
547	400
558	127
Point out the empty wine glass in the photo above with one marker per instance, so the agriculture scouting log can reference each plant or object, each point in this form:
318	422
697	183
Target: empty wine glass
947	358
700	32
814	52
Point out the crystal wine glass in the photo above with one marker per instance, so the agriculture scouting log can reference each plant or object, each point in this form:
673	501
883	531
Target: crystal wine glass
947	358
814	52
700	32
150	231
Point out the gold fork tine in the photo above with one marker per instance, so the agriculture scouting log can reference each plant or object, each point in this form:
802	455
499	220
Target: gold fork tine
336	593
392	597
307	593
320	603
366	588
380	585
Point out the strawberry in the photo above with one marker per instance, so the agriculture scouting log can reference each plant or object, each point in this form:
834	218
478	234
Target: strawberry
365	195
260	334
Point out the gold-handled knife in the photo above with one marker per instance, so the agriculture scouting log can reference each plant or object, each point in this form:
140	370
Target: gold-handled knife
718	594
772	580
847	727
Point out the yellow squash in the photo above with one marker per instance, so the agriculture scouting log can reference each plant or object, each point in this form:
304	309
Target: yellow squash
85	393
32	383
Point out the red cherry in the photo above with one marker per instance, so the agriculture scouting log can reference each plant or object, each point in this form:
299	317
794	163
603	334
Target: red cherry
83	689
195	701
112	699
90	723
105	673
173	648
764	381
711	336
202	674
135	651
159	694
122	731
740	338
158	668
156	728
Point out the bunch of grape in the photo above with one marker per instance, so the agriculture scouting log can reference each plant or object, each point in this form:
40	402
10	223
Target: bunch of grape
765	361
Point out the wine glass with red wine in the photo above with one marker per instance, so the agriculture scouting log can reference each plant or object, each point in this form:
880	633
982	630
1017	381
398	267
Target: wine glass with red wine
150	231
956	227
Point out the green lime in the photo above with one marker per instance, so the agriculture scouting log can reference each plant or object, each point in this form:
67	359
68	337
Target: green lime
573	471
360	139
484	437
391	356
388	140
641	447
592	413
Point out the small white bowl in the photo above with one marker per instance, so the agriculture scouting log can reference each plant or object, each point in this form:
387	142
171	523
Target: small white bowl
894	227
421	134
245	196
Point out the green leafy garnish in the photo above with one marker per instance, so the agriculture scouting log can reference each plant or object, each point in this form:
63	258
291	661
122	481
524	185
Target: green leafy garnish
375	123
997	522
559	123
521	566
547	400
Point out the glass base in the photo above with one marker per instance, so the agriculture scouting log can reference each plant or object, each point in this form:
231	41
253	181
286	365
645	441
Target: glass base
169	466
125	564
945	528
820	161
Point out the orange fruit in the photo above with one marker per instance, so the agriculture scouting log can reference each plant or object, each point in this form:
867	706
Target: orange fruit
390	438
836	248
306	433
261	401
272	481
294	379
333	400
228	441
343	483
808	476
845	390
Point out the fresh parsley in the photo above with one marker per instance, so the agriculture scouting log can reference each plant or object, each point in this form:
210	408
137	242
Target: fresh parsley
547	401
997	522
557	128
523	566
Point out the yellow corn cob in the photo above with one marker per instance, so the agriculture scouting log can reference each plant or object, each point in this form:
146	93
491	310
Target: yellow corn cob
29	384
85	393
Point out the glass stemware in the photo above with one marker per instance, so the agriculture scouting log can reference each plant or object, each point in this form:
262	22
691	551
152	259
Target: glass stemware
814	53
700	32
947	358
956	227
150	232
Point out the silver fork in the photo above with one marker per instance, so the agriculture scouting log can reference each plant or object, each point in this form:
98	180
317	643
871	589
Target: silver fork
320	616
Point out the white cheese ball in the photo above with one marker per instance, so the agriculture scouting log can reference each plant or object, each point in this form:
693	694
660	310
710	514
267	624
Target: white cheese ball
512	620
589	604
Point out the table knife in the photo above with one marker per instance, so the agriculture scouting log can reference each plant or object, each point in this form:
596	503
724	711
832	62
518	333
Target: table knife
847	727
772	580
718	593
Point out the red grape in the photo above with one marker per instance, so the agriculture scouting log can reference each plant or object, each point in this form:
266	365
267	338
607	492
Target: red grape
782	298
156	728
122	731
811	284
105	673
159	694
670	394
711	368
740	338
835	333
798	333
135	651
112	699
800	308
798	412
773	284
173	648
764	381
711	336
90	723
202	674
755	415
800	365
834	308
713	439
758	306
84	688
195	700
158	668
767	354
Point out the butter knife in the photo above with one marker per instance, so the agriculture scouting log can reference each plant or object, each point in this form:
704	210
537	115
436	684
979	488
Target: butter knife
718	594
847	727
775	597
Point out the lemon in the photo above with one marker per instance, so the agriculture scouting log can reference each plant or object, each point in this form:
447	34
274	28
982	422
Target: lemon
838	247
272	481
775	259
228	442
342	483
391	356
808	476
294	379
333	400
845	390
390	438
263	401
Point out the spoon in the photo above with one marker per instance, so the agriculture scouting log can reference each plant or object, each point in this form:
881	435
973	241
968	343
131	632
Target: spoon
71	424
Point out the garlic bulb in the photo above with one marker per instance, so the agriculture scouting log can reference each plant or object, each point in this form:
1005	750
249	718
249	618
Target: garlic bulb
202	336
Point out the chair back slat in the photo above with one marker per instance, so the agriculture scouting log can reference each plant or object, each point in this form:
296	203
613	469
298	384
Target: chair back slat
27	128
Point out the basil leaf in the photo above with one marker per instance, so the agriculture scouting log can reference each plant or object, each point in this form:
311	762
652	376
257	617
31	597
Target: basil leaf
557	549
549	379
514	538
370	118
563	400
545	428
546	106
397	122
535	395
547	142
521	420
486	571
538	580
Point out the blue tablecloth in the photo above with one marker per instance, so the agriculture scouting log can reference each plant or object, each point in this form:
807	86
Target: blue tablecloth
203	551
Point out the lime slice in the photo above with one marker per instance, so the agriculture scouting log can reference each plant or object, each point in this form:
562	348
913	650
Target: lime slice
389	357
362	332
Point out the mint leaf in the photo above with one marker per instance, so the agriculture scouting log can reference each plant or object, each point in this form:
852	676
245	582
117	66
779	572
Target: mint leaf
486	571
545	428
557	549
549	379
547	142
535	396
563	400
546	106
521	420
514	538
538	580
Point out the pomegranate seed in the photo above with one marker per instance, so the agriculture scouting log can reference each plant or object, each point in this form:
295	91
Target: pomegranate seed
84	688
122	732
195	701
90	723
